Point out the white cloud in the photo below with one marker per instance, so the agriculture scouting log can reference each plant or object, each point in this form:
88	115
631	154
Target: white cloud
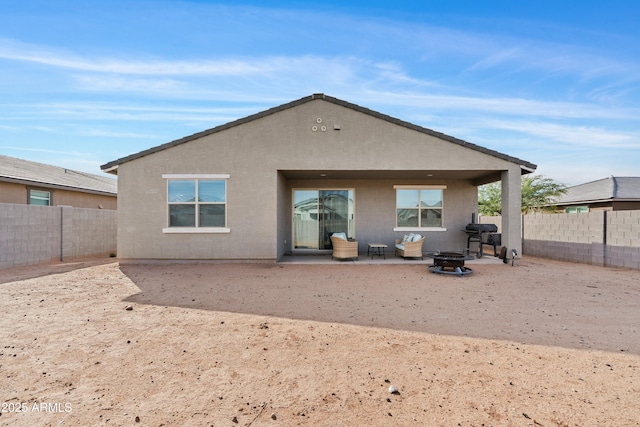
105	133
571	171
46	56
583	136
120	112
494	59
112	83
256	79
42	150
505	106
251	66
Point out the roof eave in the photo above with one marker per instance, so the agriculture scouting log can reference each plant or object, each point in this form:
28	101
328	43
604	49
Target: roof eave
582	202
591	201
110	169
56	186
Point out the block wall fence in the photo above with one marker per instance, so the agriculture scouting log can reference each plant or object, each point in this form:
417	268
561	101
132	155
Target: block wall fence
31	234
607	238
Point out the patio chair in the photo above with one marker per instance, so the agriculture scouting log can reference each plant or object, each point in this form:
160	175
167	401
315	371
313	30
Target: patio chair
410	246
343	248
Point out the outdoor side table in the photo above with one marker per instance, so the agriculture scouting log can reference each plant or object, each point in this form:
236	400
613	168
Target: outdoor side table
376	249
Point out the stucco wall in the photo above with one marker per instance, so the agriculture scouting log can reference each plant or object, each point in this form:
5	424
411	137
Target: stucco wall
13	193
259	154
284	234
84	200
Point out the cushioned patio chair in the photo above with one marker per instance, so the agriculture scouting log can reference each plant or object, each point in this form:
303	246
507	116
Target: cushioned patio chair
343	248
410	246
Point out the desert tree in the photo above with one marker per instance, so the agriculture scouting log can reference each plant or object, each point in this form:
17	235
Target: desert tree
537	193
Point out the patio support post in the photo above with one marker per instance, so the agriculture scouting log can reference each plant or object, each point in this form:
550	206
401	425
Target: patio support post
511	209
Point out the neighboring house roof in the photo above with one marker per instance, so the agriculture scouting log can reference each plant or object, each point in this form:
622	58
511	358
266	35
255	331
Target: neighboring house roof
112	166
603	190
38	174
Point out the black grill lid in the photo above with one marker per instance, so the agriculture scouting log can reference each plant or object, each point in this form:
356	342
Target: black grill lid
482	228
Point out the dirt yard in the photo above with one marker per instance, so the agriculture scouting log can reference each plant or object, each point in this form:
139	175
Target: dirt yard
539	344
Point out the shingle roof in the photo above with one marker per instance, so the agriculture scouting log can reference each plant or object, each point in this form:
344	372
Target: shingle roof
114	164
627	188
27	172
607	189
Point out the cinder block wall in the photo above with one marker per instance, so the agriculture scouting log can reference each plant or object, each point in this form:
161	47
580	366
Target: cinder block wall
583	228
624	228
610	238
88	232
31	234
623	239
28	234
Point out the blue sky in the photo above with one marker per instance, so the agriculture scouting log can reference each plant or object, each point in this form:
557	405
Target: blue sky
555	83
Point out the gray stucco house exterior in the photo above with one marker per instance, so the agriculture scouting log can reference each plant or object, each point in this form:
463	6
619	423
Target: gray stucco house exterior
281	181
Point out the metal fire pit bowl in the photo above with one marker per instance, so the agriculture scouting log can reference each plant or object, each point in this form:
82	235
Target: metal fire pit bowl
449	263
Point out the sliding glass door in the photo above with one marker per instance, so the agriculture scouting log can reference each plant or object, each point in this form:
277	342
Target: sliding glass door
305	219
319	213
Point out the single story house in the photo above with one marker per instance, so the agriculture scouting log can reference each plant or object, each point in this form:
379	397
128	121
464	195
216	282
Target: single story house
283	180
32	183
608	194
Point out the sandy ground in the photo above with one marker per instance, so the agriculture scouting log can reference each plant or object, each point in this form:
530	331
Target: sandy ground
539	344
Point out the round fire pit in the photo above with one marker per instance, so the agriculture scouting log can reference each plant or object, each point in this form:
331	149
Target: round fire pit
449	263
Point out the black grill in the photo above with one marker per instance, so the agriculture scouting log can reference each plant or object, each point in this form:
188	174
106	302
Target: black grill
481	228
483	234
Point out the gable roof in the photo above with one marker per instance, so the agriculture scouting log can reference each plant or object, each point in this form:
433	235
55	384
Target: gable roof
112	166
32	173
603	190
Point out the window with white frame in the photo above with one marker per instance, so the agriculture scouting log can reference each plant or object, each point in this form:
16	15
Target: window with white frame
577	209
419	206
39	197
197	203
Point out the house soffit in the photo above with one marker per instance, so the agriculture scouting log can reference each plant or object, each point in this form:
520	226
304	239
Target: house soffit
478	177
